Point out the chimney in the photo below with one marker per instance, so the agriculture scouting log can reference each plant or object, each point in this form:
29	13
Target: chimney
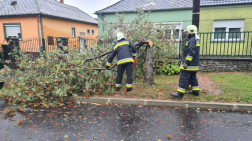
62	1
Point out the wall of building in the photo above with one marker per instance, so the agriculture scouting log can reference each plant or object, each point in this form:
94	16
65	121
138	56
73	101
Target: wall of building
184	16
233	47
63	28
209	15
28	26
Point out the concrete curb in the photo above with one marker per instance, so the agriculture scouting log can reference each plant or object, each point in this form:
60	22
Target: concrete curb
187	104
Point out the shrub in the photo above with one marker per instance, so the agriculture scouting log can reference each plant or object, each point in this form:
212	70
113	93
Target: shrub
168	69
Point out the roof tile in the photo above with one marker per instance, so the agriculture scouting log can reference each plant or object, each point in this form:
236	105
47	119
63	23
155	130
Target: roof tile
131	5
47	7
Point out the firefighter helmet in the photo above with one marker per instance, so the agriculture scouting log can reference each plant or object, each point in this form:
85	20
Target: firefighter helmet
192	29
119	36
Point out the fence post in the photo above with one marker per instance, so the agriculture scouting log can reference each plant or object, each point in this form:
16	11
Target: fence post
82	44
43	43
61	43
9	48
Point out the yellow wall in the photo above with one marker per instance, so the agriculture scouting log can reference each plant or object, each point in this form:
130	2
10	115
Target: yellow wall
231	48
209	15
63	28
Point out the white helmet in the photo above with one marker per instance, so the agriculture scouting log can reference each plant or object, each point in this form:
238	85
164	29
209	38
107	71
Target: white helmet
119	36
192	29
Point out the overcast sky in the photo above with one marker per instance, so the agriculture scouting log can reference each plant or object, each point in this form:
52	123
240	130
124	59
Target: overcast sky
90	6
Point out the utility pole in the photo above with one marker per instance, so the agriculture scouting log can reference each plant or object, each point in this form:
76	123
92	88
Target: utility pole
195	20
196	13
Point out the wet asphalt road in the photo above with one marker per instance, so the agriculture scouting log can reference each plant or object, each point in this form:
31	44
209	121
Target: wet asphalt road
123	122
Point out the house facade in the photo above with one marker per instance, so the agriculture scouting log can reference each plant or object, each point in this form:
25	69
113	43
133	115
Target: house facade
216	17
44	19
166	12
226	30
180	19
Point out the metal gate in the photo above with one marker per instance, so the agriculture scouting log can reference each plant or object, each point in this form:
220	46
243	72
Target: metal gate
83	44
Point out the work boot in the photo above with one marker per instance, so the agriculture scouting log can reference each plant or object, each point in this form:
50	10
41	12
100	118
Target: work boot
195	93
129	89
177	95
117	88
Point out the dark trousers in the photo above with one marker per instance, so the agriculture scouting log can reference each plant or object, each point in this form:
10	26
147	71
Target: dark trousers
187	77
129	72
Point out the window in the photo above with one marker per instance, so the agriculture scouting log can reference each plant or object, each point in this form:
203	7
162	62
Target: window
88	31
82	33
50	40
228	30
220	33
92	31
174	29
12	30
234	33
176	33
120	29
73	32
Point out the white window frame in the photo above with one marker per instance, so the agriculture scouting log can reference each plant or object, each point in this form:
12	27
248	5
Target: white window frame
93	32
12	25
178	25
88	32
82	33
118	30
74	34
228	24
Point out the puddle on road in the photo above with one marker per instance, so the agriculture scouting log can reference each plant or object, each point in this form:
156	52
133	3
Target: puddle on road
124	122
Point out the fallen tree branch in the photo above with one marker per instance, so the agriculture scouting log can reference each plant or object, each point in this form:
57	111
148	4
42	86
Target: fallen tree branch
93	69
139	45
106	53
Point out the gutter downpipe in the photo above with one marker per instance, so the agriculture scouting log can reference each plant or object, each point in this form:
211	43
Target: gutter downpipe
42	32
102	22
38	31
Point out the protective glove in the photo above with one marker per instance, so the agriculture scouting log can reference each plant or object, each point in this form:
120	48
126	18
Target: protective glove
185	66
135	60
107	67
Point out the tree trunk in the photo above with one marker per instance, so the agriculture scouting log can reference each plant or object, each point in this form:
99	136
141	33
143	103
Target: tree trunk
149	74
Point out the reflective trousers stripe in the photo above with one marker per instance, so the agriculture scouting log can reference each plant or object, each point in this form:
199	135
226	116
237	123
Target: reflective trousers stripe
129	85
181	90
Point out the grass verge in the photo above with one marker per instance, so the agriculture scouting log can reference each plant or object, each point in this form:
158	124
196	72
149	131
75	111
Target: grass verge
235	87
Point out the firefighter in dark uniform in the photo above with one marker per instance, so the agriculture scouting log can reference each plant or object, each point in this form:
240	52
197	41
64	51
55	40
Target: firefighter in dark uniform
189	64
126	53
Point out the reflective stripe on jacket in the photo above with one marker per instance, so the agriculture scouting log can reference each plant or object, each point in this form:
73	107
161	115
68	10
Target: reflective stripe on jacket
125	50
191	55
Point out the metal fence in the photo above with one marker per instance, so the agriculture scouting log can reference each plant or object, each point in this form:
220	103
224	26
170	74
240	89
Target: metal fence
35	44
30	45
226	44
213	44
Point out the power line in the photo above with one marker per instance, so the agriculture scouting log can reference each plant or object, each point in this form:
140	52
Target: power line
108	3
